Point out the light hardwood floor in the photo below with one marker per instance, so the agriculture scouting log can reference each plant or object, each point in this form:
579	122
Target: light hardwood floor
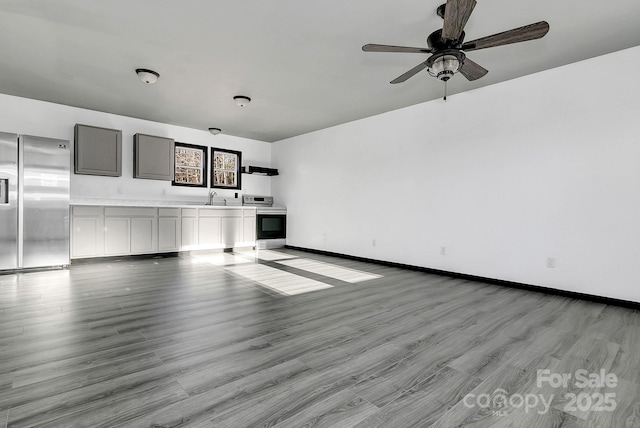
294	339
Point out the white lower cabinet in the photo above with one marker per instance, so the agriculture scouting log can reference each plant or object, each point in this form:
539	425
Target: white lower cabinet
231	230
143	235
189	233
208	232
117	239
249	227
85	233
169	229
231	227
116	230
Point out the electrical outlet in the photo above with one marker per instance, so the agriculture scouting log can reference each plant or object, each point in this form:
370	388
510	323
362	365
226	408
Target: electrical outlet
119	190
551	262
163	192
443	251
324	236
373	243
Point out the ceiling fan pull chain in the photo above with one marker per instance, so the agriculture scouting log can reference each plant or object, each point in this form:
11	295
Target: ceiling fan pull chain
445	90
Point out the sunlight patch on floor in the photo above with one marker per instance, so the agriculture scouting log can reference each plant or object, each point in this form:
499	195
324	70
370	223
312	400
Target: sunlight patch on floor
330	270
268	255
220	259
285	283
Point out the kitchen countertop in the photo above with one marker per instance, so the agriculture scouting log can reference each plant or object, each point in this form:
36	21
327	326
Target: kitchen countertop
150	204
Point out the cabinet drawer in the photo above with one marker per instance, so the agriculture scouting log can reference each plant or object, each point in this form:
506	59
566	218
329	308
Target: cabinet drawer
232	213
210	212
189	212
168	212
129	211
83	210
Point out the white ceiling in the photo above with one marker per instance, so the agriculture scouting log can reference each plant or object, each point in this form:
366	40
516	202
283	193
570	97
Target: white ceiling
300	61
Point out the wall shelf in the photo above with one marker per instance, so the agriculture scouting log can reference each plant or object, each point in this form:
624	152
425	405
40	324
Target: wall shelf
259	170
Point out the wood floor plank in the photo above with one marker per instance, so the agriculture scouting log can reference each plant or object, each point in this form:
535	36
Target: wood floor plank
34	354
105	414
282	404
627	362
52	368
257	358
485	359
23	394
419	366
99	395
343	409
201	408
424	403
507	381
627	407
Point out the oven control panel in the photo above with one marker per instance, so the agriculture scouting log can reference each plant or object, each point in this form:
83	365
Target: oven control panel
257	201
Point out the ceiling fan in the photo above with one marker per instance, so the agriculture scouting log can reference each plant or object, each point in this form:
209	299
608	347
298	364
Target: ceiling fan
447	46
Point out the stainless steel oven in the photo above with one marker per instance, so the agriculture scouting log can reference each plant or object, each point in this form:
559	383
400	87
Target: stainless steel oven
271	222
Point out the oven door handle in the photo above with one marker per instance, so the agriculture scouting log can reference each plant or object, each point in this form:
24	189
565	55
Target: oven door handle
271	212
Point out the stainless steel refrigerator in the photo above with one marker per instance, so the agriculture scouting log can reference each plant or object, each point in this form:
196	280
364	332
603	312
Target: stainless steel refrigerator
34	202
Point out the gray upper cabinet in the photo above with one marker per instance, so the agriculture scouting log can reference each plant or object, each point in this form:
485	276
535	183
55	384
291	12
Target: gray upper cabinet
153	157
98	151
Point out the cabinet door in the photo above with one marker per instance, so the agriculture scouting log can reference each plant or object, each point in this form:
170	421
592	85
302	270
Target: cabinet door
98	151
153	157
116	236
168	234
249	229
85	237
143	235
231	231
188	229
209	232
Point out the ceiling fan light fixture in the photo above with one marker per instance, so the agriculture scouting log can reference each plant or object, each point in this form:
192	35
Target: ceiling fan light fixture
445	64
241	100
147	76
215	131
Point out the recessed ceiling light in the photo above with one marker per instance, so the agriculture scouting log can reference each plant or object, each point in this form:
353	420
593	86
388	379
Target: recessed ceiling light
241	100
215	131
147	76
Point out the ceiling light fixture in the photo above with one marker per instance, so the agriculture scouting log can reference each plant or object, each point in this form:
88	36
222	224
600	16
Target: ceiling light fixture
241	100
147	76
215	131
445	64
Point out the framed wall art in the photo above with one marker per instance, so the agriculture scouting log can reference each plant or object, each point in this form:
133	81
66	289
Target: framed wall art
190	165
225	169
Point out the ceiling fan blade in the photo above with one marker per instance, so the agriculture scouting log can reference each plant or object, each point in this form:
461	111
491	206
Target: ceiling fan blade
415	70
472	70
456	15
388	48
520	34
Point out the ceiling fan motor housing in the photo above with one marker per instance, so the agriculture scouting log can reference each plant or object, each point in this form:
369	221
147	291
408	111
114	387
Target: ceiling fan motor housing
436	42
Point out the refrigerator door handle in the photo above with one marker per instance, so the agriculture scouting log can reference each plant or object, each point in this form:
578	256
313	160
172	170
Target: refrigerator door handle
4	191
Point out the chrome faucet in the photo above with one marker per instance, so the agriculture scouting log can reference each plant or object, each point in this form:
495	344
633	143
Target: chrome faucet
212	195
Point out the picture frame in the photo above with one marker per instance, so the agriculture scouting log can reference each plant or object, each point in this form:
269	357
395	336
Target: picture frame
191	166
225	169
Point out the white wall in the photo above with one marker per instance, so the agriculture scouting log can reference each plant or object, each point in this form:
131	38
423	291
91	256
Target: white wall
504	177
31	117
